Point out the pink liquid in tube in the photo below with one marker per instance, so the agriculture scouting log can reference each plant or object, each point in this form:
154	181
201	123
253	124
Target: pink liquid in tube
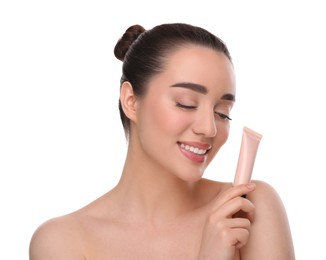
248	150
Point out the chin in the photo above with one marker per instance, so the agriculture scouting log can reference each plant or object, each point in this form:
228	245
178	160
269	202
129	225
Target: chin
192	177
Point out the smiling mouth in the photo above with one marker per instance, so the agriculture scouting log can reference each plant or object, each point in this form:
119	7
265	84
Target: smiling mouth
193	149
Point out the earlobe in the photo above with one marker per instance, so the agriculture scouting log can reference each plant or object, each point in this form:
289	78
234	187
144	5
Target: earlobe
128	100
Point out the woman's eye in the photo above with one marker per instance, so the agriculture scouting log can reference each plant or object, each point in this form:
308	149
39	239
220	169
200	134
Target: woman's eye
223	116
219	114
185	106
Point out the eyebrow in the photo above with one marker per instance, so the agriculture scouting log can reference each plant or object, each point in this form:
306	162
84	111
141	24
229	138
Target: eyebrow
229	97
193	86
201	89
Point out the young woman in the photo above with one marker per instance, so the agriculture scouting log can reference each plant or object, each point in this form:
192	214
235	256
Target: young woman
177	92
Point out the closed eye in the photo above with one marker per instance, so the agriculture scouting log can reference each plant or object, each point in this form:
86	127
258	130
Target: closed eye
185	106
220	115
223	116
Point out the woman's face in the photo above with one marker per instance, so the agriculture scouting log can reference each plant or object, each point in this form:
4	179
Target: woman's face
183	120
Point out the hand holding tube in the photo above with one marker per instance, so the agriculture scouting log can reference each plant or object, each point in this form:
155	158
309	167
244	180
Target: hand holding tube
226	230
223	234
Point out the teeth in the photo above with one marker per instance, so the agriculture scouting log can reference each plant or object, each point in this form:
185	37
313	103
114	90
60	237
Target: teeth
192	149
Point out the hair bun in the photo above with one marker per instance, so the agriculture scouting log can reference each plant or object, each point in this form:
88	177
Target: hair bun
123	44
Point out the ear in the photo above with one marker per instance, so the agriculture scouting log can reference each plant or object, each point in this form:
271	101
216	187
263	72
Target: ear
128	100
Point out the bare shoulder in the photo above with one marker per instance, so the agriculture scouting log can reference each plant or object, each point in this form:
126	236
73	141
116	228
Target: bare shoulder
75	235
57	238
270	235
267	202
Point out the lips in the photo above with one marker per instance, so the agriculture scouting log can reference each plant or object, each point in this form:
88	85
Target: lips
193	149
196	152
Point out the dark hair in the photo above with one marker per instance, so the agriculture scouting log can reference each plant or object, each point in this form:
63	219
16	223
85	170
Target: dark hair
144	52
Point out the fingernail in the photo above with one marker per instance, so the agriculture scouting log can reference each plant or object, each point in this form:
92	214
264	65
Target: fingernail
251	185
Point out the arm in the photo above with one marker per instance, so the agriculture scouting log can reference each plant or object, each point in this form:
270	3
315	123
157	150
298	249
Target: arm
270	235
56	239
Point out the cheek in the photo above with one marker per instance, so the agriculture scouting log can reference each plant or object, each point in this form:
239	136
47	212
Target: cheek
223	131
166	119
221	137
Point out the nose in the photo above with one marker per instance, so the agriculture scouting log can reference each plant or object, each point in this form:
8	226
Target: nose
205	124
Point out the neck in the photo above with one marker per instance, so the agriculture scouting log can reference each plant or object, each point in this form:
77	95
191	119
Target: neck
150	193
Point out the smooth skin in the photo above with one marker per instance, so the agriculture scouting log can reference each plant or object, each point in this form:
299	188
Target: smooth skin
162	207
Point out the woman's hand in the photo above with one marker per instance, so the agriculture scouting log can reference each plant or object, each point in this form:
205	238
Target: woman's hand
225	231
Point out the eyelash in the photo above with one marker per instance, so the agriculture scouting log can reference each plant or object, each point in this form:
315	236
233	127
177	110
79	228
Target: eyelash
185	107
221	115
224	117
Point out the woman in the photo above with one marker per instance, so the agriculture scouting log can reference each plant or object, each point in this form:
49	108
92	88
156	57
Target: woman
177	92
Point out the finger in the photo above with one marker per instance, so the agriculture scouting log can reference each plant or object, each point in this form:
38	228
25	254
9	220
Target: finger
236	236
232	223
240	237
232	193
247	215
229	209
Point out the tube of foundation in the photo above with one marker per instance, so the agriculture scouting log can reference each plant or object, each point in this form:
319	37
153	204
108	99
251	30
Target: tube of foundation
248	150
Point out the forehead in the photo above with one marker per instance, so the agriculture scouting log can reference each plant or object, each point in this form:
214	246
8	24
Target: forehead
200	65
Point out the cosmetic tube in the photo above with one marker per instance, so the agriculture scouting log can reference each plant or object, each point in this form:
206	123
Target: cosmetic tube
248	150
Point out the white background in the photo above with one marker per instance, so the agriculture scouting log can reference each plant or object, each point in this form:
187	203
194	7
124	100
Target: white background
61	141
